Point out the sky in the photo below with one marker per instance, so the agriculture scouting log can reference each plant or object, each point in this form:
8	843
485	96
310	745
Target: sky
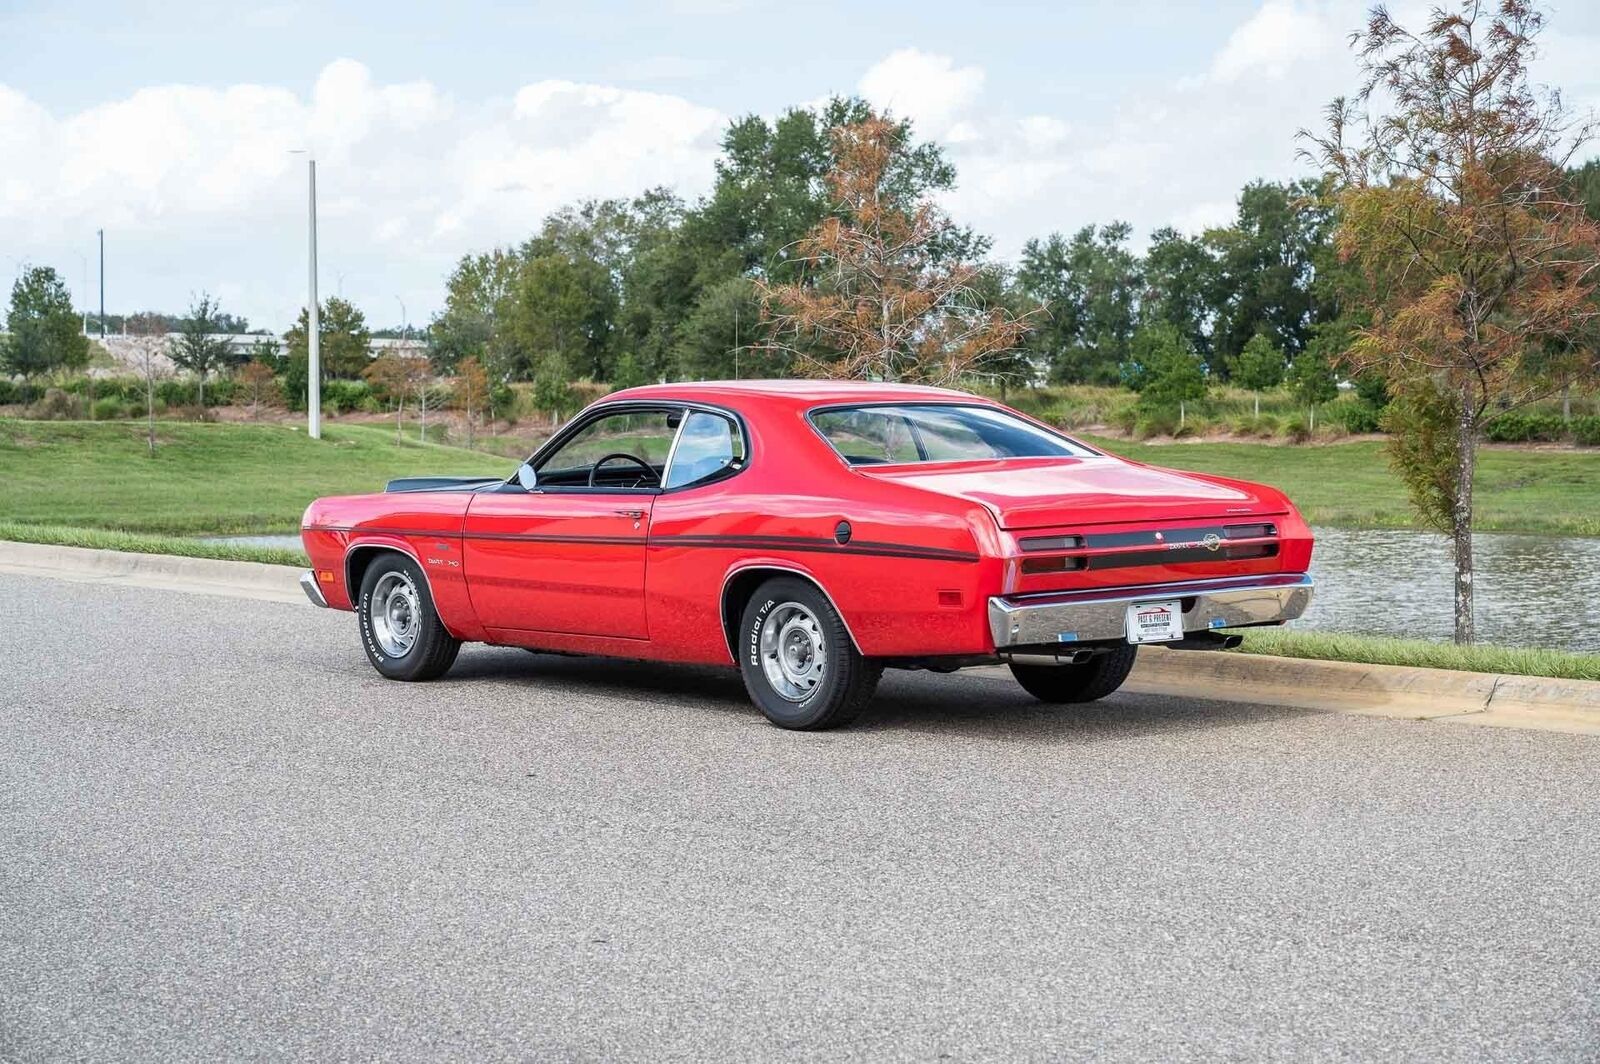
444	129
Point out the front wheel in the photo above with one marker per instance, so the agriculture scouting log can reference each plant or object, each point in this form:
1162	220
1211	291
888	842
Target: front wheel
798	661
1095	678
400	629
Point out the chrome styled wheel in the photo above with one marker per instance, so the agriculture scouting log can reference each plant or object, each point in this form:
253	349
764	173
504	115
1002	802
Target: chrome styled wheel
395	613
794	654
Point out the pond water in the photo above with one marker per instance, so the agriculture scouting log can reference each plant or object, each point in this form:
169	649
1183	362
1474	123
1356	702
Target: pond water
1535	591
1532	591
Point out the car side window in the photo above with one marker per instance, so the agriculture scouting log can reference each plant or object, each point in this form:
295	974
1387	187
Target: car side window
708	446
633	445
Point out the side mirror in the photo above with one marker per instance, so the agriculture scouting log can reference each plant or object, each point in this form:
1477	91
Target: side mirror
527	477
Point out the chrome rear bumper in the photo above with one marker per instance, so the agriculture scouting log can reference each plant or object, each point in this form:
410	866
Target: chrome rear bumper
1100	614
308	584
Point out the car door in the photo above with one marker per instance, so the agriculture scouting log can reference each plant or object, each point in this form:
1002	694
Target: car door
568	556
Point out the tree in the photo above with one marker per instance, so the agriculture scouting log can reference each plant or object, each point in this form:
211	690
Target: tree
345	340
199	346
1312	381
563	308
1164	369
476	315
722	336
1258	367
1180	281
1088	287
1265	266
393	376
260	386
148	352
1478	265
878	295
470	392
44	330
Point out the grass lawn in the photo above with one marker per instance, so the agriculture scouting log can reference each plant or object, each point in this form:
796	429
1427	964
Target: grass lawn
1420	653
1350	484
204	478
147	543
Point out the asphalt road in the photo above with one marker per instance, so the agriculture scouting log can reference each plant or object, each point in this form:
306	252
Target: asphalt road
223	836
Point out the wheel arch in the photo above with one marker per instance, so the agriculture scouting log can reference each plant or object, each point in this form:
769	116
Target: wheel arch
741	583
360	556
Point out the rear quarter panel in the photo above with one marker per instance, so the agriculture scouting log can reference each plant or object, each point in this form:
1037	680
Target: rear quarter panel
905	548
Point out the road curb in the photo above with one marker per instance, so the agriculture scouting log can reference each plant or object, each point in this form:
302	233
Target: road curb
1302	683
207	576
1396	691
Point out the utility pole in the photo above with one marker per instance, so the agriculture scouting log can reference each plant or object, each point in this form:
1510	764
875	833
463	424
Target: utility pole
102	233
313	324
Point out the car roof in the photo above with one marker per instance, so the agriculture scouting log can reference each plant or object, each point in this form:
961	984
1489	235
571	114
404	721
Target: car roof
798	393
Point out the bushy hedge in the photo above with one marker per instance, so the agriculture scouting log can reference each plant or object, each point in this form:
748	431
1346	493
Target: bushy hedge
19	392
1523	426
1356	416
1586	430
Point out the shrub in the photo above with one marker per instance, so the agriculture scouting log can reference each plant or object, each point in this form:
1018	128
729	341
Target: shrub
339	396
25	392
109	409
1524	426
8	391
1125	417
1156	423
1586	430
1353	415
1296	429
56	405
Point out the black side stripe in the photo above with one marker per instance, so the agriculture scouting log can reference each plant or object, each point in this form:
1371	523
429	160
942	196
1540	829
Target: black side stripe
803	544
817	544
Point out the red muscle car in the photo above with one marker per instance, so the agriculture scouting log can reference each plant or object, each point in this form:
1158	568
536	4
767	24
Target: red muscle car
812	534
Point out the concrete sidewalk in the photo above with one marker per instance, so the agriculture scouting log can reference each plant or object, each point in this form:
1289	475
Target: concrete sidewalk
1332	686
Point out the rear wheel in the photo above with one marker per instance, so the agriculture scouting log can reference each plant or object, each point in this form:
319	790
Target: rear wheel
798	662
400	629
1061	684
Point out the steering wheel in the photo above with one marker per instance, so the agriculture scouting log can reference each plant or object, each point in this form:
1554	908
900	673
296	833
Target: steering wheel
625	456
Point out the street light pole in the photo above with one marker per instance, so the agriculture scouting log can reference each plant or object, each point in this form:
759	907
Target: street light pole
102	284
405	322
313	324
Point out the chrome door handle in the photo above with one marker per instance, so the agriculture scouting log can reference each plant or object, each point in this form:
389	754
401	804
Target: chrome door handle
635	514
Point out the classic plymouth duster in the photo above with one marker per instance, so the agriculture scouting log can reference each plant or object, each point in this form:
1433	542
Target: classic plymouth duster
813	533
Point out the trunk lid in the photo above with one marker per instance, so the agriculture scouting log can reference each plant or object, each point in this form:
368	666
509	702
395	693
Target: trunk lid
1029	493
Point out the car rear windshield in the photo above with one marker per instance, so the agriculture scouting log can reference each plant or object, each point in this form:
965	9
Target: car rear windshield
935	432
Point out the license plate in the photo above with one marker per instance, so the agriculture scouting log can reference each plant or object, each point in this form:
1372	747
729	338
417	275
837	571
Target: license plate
1155	622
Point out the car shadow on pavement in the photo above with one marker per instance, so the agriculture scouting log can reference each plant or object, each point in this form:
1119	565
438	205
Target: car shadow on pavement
981	707
960	704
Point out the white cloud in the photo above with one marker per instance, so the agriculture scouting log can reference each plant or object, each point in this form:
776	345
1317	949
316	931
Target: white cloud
198	191
928	89
1275	41
1169	154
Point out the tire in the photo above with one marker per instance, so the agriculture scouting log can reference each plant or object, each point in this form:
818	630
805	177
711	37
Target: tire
403	637
1064	684
798	662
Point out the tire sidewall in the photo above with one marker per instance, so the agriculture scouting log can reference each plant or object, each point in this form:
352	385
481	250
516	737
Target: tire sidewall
820	703
396	668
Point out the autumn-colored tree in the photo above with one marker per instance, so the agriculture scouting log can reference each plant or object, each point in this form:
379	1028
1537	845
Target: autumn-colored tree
879	296
259	385
470	391
393	376
1477	265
